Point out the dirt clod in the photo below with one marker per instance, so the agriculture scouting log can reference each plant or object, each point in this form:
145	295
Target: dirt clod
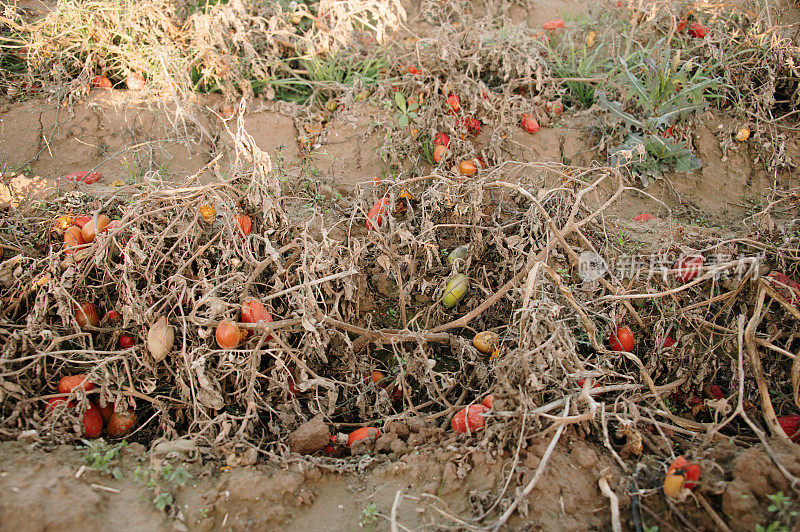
310	437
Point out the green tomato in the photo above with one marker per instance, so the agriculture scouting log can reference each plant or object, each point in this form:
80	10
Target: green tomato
454	290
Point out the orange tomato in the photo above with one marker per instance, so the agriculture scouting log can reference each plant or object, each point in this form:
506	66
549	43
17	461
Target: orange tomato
245	224
73	382
228	335
86	314
362	434
73	240
467	168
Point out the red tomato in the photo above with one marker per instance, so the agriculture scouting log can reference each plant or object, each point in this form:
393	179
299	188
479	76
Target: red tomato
488	401
362	434
553	24
53	403
254	311
92	422
529	123
83	176
469	419
441	139
716	391
120	423
81	220
126	341
643	217
668	342
376	214
112	315
593	383
106	411
689	470
101	82
688	267
681	25
622	340
697	30
791	426
787	288
414	70
452	104
72	382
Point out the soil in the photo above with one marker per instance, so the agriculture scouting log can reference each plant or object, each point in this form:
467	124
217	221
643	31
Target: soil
47	488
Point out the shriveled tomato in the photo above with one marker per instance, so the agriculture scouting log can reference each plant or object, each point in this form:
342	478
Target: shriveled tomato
472	124
135	81
441	139
697	30
529	123
553	24
362	434
469	419
643	217
452	104
622	339
554	108
245	224
377	213
439	153
668	342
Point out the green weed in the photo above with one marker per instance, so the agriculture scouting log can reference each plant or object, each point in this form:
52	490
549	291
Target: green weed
783	515
660	89
578	62
101	456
